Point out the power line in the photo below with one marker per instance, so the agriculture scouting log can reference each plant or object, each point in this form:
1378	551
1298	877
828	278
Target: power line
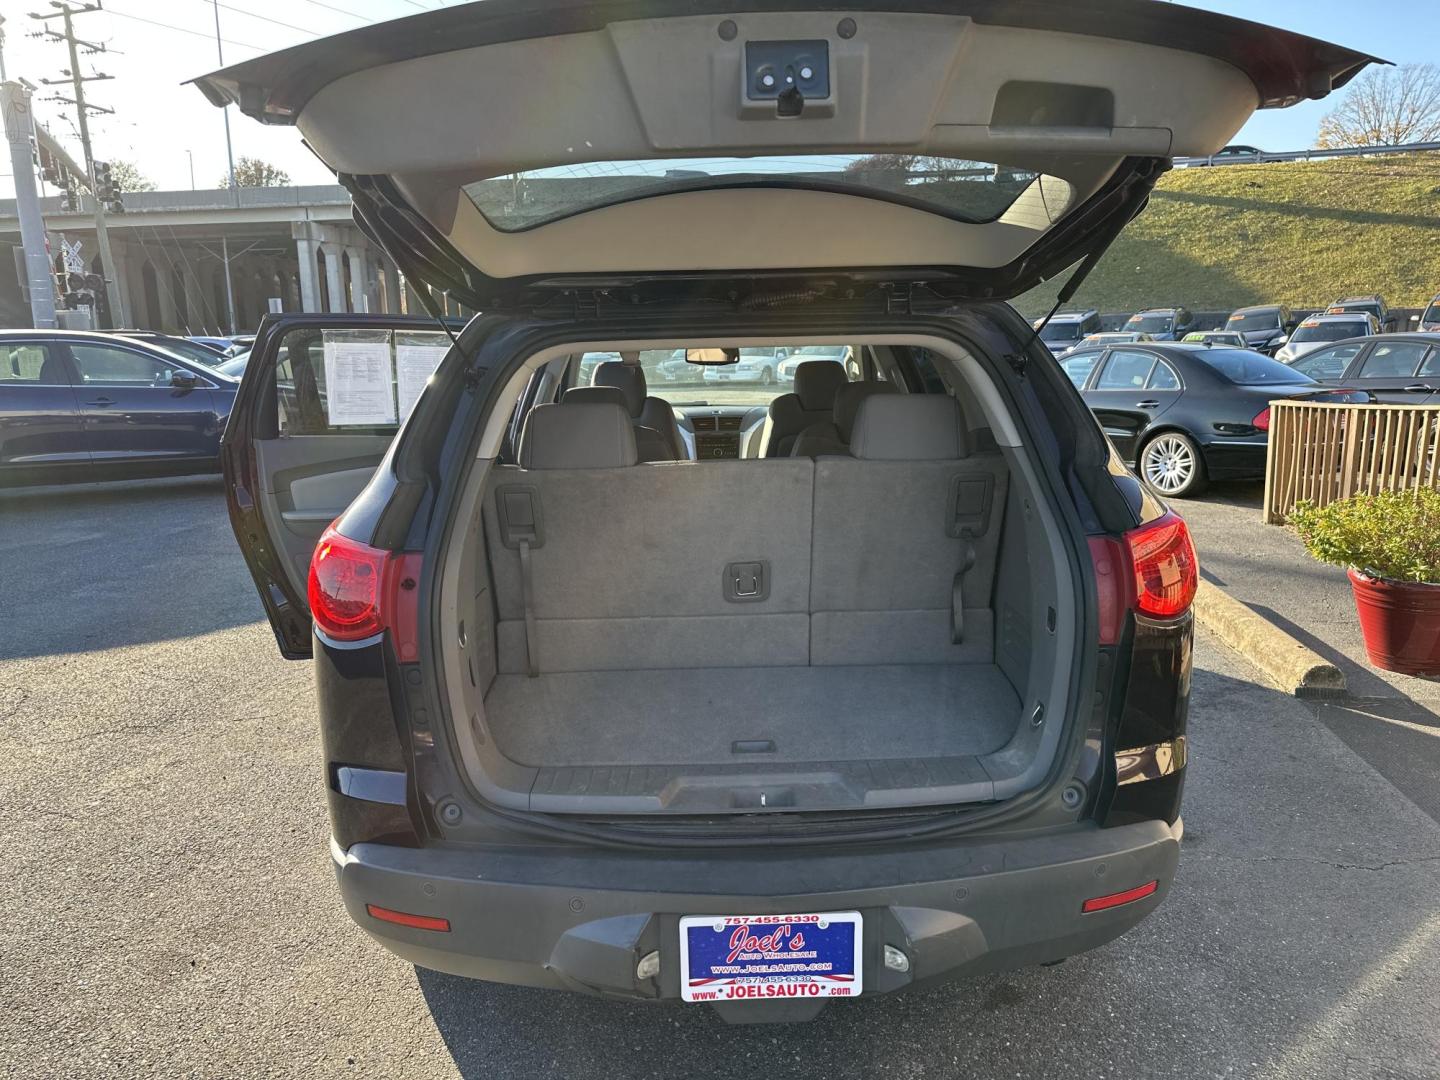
263	18
338	10
182	29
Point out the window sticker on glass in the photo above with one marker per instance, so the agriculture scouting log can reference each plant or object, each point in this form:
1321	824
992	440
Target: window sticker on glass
358	381
417	355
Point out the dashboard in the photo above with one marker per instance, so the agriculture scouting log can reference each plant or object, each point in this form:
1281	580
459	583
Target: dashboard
720	433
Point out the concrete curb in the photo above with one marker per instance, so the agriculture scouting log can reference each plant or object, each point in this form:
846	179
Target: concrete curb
1288	664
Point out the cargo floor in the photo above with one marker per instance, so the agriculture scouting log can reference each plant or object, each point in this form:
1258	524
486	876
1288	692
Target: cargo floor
736	716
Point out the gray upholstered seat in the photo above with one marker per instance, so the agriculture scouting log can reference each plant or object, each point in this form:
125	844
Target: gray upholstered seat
645	411
577	435
812	402
907	534
833	436
650	445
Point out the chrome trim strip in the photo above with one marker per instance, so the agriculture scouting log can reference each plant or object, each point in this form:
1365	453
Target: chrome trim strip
1150	762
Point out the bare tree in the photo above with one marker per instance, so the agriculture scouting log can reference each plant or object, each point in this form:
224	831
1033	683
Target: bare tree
1386	106
252	172
128	177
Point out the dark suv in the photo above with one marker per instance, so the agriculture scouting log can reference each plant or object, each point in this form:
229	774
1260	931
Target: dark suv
705	690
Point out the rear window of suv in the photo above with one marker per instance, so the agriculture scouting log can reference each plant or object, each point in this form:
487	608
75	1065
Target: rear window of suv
971	191
1337	330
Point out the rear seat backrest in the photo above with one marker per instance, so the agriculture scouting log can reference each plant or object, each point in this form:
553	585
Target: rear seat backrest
813	402
628	377
650	445
833	436
906	537
628	566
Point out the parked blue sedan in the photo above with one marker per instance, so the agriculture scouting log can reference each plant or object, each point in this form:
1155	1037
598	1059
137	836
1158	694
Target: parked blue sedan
83	406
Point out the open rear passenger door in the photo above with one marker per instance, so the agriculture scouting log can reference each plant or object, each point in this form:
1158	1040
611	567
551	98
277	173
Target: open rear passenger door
319	405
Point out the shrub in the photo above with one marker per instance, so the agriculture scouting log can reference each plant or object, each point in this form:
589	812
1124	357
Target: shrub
1393	535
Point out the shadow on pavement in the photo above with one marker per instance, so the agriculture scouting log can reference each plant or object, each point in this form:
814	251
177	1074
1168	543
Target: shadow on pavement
95	566
1233	975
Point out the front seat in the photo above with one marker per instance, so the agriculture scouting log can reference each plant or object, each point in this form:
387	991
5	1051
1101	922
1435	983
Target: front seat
833	436
650	445
651	412
816	382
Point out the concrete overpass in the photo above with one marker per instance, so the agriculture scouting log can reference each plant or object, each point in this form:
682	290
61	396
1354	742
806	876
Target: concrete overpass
296	243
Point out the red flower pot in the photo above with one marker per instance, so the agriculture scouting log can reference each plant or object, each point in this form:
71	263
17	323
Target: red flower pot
1401	623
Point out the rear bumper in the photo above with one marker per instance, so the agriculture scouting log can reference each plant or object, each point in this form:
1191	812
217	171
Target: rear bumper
582	920
1235	459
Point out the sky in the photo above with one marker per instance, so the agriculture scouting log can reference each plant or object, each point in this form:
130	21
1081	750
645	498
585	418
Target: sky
153	46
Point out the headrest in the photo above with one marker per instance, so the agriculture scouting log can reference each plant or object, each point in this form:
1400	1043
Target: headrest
847	403
629	379
577	436
596	395
816	382
909	427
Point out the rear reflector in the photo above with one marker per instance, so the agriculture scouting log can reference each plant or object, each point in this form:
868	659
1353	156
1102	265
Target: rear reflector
403	918
1129	896
1262	420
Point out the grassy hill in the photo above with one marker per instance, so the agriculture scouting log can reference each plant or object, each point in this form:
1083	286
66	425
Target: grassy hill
1299	233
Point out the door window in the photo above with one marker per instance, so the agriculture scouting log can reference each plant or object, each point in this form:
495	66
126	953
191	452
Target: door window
1077	366
1163	378
1126	370
1431	367
102	365
1393	360
30	365
1328	363
352	381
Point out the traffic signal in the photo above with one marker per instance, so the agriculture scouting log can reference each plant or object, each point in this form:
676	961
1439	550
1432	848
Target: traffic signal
107	190
70	195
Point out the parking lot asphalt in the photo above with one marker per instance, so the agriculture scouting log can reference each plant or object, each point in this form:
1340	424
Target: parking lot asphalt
169	909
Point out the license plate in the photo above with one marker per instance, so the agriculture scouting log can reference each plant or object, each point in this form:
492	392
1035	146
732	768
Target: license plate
775	957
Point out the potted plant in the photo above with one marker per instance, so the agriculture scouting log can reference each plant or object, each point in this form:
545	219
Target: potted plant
1390	544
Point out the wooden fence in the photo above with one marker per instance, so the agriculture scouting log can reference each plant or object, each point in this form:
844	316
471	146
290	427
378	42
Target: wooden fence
1322	453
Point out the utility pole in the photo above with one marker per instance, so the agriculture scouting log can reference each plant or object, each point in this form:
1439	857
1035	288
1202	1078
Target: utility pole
234	188
39	279
77	81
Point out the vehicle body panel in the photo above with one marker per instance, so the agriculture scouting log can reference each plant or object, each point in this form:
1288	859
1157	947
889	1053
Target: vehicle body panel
1398	369
120	414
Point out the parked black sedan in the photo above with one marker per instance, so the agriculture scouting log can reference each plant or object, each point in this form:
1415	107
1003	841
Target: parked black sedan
1398	369
89	406
1184	414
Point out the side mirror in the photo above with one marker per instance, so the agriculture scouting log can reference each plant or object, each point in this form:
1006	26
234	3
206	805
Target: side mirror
1282	339
184	380
1414	318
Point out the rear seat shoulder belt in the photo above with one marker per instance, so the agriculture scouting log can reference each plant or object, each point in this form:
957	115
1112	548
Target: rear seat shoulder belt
522	526
967	518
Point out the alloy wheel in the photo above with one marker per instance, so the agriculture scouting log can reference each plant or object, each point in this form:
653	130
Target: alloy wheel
1169	464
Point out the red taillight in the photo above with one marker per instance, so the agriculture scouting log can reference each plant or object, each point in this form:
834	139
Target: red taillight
356	591
1262	419
404	918
1167	571
1152	570
1129	896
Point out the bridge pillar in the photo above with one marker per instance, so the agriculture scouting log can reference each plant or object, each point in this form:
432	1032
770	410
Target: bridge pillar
334	277
306	250
359	279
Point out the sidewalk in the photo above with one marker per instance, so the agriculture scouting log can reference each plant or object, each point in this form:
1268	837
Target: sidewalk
1393	721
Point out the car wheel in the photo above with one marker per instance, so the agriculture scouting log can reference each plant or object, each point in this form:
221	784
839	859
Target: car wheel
1171	464
767	377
